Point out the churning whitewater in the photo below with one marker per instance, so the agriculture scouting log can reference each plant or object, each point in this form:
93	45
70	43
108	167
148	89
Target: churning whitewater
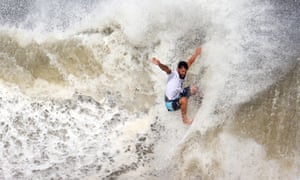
80	98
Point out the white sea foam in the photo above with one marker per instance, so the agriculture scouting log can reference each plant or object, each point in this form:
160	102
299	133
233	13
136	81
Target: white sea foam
79	92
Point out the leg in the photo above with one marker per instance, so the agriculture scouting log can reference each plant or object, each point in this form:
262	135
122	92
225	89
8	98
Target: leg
189	91
183	107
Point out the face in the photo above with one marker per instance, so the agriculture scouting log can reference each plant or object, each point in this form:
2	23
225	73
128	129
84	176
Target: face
181	72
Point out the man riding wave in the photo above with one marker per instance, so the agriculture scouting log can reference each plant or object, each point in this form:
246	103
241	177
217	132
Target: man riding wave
176	97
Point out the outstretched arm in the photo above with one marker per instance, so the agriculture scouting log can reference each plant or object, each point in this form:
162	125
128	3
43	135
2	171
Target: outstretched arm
161	66
194	57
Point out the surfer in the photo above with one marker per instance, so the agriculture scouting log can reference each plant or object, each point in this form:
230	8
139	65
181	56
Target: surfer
176	97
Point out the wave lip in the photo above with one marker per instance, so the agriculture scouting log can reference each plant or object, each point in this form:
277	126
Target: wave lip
246	126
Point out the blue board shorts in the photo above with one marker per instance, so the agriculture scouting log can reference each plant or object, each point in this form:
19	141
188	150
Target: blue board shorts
174	105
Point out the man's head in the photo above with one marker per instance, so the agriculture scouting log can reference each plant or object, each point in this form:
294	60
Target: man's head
182	69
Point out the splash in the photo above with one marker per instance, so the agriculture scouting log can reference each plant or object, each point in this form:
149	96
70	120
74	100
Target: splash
79	93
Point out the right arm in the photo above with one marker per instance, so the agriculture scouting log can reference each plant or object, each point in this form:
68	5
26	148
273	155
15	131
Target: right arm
161	66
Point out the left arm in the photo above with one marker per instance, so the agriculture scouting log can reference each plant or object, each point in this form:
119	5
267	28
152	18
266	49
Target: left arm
192	59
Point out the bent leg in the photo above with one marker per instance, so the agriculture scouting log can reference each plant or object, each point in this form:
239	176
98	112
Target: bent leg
183	107
189	91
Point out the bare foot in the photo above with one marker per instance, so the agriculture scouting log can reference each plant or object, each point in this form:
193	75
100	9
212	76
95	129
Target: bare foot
188	122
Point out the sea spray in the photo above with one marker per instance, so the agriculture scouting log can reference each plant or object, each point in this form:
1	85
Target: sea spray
79	92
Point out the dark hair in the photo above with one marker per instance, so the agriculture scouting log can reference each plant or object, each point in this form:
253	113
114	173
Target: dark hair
183	64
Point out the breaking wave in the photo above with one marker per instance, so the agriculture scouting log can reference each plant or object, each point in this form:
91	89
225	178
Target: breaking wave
79	93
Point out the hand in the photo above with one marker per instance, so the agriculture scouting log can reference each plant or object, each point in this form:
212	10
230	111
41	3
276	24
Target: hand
155	61
198	51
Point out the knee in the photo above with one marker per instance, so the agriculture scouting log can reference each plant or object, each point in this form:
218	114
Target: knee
183	100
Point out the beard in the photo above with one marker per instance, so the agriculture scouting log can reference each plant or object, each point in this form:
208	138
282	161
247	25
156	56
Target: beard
181	76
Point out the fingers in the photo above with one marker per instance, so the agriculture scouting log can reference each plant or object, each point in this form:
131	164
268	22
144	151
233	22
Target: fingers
155	61
193	89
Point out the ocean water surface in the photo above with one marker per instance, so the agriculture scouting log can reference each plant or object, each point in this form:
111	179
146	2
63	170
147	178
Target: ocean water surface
80	98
